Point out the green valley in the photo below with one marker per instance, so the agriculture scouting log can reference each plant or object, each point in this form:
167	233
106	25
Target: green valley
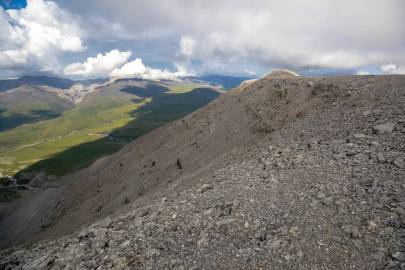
100	124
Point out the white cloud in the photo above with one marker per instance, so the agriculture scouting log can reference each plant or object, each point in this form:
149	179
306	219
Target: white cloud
32	38
393	69
187	45
99	66
226	36
298	34
115	64
363	72
136	69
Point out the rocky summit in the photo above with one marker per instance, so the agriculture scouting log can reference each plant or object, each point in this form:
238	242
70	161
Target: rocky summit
285	172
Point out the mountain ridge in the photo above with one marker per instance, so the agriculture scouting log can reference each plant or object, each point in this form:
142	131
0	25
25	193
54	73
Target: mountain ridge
279	173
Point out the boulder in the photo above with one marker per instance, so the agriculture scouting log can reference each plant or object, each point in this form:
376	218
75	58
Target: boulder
384	128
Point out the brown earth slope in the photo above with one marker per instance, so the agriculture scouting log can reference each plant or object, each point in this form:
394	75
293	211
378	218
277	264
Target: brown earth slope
286	172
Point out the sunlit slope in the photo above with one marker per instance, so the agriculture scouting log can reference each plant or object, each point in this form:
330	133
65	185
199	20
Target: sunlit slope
26	145
30	104
101	124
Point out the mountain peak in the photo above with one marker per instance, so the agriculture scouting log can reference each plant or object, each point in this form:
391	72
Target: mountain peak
281	74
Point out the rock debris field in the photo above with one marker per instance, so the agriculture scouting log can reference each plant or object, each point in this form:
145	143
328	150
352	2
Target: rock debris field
286	172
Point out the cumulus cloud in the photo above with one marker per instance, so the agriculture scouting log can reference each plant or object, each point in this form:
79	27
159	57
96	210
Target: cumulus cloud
99	66
187	45
226	36
393	69
298	34
115	64
136	69
32	38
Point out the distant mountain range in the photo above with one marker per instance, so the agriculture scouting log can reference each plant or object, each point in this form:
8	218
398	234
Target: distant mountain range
225	82
35	98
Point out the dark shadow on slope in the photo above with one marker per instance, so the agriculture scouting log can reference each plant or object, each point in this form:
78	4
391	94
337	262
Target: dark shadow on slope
162	109
14	120
76	157
36	80
150	90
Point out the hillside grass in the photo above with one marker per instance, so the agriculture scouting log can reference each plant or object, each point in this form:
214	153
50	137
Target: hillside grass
24	146
81	135
183	87
98	126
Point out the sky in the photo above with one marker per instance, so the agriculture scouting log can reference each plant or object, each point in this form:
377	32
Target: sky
158	39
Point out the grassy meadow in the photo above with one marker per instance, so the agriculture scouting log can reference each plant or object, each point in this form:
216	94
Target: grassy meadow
93	128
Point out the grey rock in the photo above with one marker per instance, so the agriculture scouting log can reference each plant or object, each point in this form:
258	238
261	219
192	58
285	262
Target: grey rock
257	224
208	211
261	234
144	212
321	195
381	157
387	231
372	226
293	230
274	245
151	253
399	256
400	162
225	222
384	128
204	188
204	239
288	257
379	256
360	136
355	233
399	211
328	201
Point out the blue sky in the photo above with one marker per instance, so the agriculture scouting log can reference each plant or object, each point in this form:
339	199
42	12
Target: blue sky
13	4
166	39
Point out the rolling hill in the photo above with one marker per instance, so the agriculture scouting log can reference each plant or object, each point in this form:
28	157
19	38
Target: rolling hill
54	82
29	104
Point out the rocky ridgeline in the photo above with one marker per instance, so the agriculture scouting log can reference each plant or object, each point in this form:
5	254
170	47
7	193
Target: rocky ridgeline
325	191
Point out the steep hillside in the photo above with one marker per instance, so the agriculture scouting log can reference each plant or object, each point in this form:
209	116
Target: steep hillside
30	104
36	81
286	172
